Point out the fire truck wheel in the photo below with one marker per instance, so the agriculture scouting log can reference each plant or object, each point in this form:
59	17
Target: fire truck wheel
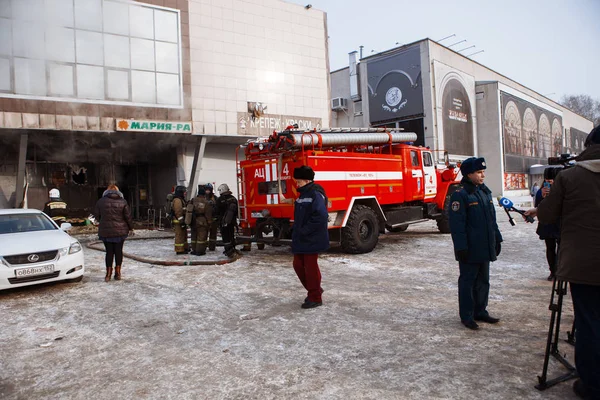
443	223
361	233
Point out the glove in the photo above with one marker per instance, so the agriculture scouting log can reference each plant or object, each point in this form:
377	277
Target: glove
498	248
462	255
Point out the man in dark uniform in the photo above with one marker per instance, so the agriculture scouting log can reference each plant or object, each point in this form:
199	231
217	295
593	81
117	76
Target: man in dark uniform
56	208
213	223
476	240
202	213
227	207
178	220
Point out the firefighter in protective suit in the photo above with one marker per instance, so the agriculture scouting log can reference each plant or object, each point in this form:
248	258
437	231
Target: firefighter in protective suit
213	223
56	208
227	206
198	216
178	210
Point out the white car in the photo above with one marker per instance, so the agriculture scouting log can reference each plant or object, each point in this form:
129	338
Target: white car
33	249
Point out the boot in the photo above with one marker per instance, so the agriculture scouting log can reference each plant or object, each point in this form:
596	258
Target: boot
108	274
118	273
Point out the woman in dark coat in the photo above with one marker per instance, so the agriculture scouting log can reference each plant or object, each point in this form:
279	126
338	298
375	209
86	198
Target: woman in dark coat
115	224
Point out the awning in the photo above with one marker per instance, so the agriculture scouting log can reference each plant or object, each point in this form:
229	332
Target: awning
538	169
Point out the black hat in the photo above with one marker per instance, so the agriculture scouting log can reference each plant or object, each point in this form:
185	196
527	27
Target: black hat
593	137
201	190
304	172
551	172
471	165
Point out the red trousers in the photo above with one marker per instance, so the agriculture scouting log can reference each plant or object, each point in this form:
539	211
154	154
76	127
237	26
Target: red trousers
308	272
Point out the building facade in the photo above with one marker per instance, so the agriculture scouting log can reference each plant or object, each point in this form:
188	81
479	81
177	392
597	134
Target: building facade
460	106
94	92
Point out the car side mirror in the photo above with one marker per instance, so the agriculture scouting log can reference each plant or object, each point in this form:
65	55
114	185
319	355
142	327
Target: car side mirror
65	226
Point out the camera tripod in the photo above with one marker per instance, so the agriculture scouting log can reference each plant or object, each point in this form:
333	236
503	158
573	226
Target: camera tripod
559	289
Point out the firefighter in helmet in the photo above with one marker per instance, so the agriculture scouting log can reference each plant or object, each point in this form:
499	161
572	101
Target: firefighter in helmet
227	206
213	223
178	211
201	213
56	208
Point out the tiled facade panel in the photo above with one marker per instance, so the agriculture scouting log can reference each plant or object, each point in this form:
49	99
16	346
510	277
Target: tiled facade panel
265	51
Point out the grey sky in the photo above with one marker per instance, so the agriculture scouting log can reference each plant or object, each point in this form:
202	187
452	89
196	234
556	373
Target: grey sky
550	46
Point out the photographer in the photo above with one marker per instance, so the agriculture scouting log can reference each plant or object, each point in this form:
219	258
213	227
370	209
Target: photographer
549	233
575	201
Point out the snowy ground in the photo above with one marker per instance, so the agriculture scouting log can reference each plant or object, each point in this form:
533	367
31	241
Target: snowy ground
389	327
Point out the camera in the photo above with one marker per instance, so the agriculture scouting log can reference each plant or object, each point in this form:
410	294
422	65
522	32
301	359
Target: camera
563	159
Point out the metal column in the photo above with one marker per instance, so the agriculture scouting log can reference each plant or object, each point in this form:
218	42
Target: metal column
196	166
21	171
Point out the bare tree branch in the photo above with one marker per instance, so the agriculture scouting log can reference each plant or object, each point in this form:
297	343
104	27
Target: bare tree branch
583	105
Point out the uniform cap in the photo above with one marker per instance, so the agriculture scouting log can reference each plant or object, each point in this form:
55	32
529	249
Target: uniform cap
55	193
471	165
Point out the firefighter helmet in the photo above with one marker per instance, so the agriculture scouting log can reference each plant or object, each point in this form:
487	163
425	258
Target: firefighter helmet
223	188
54	193
180	191
209	186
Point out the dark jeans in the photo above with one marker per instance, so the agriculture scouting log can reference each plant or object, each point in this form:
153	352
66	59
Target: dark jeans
551	254
473	290
586	302
307	269
113	250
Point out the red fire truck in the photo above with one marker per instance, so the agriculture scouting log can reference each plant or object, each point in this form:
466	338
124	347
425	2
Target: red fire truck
374	179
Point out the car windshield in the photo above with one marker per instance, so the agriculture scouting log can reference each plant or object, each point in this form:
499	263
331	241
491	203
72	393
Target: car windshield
15	223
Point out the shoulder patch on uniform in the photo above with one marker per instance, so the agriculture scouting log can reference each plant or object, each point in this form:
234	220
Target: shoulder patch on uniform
455	205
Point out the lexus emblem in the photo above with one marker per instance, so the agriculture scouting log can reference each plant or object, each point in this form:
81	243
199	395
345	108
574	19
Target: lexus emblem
33	258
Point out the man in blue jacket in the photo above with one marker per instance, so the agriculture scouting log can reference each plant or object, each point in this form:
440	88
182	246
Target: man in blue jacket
476	242
309	234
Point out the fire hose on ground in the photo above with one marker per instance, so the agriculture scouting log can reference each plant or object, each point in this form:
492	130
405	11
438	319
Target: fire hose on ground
98	245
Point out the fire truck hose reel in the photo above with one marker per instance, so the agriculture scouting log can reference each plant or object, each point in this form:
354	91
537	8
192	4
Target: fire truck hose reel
339	139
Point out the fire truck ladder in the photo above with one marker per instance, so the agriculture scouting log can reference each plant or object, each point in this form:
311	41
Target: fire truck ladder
239	173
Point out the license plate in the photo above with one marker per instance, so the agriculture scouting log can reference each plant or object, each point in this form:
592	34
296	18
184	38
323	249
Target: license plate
256	214
42	269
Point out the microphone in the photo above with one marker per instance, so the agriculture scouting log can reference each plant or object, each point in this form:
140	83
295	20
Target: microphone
508	205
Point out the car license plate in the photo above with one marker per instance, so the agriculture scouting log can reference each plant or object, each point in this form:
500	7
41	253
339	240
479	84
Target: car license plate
42	269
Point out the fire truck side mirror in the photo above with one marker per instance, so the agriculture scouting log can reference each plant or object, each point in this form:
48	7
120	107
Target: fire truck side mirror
446	158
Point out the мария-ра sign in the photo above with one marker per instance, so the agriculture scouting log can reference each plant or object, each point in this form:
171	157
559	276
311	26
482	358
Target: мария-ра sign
132	125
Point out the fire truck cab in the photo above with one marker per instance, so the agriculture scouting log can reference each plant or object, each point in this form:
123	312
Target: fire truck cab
374	180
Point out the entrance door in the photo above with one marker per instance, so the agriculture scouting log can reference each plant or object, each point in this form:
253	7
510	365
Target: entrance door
430	176
415	188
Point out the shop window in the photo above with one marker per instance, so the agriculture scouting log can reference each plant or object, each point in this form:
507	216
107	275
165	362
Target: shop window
79	175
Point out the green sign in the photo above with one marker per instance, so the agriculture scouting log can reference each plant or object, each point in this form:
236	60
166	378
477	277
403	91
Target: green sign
132	125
